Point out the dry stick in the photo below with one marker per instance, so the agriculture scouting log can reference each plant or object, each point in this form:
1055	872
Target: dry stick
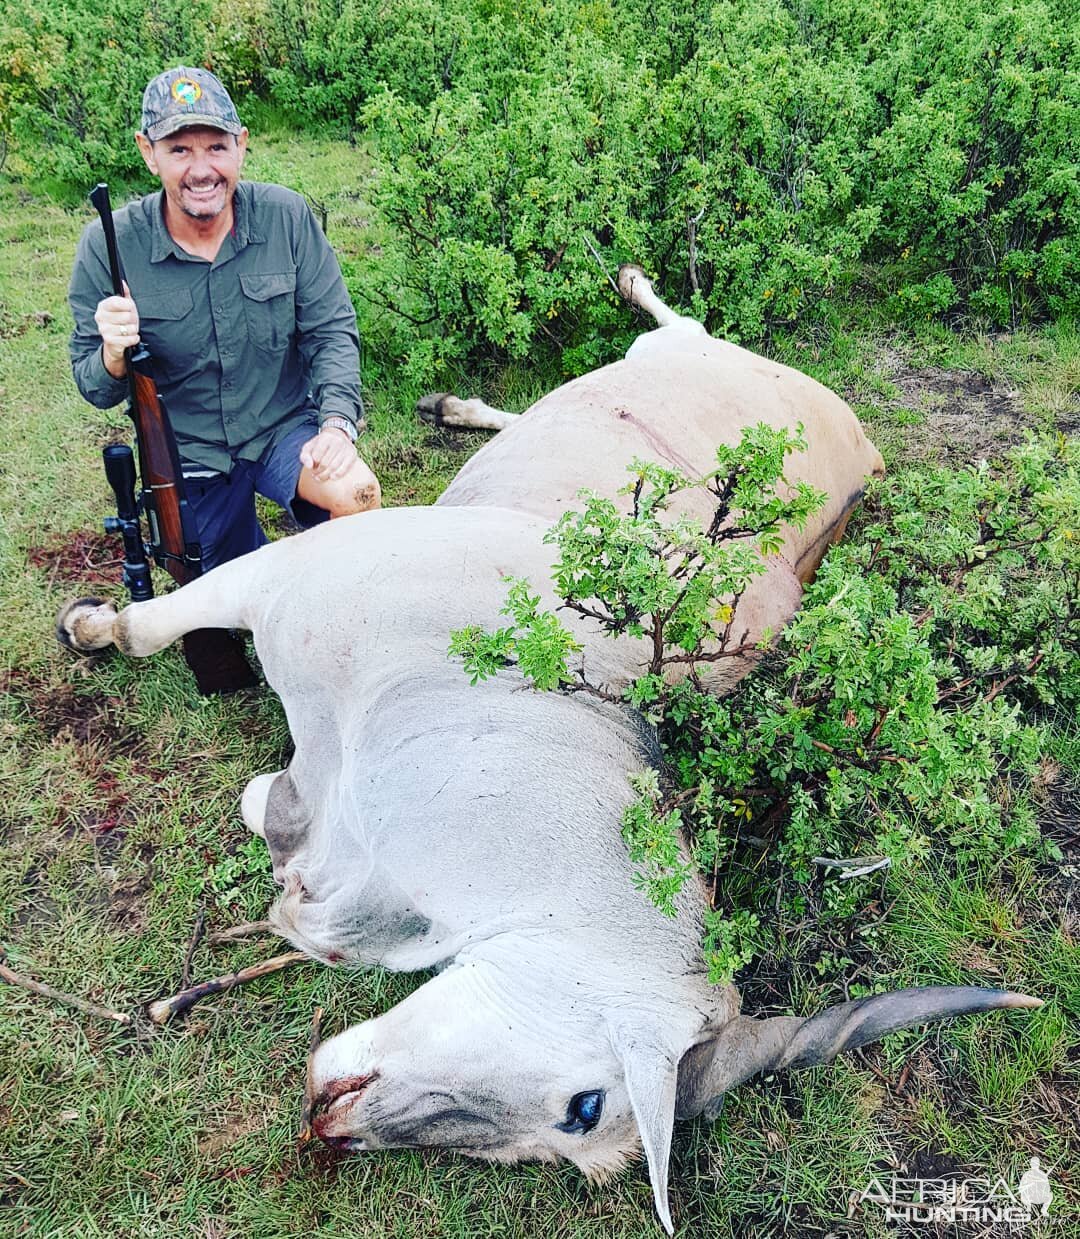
250	929
600	263
304	1135
69	1000
189	954
876	1070
692	222
165	1008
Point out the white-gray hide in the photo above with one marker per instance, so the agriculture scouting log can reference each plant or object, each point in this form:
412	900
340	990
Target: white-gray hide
427	824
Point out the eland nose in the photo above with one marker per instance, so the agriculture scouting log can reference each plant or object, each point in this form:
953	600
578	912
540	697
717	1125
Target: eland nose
332	1118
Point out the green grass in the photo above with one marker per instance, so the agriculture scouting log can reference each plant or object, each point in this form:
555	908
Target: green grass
190	1130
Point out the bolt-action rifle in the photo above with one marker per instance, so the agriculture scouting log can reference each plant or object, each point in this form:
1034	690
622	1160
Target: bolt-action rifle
215	655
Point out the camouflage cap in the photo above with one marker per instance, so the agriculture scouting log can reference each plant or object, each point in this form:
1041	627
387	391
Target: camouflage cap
181	97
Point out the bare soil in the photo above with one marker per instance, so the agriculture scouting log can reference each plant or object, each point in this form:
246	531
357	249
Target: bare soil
951	417
84	558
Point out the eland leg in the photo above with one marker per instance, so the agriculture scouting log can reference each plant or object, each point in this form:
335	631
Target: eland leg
637	288
221	599
441	409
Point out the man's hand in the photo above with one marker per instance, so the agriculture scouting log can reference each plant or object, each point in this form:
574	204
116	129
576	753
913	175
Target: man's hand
117	321
329	455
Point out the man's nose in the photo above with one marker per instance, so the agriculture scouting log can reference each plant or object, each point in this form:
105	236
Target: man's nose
201	164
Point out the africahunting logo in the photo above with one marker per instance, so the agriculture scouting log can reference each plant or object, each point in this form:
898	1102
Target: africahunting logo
983	1201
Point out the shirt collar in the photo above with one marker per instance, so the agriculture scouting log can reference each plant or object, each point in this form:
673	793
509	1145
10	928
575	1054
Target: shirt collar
161	244
245	226
244	230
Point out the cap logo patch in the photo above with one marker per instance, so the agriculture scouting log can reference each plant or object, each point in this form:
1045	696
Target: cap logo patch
184	90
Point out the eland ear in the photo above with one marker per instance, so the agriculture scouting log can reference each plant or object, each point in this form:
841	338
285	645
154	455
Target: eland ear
651	1074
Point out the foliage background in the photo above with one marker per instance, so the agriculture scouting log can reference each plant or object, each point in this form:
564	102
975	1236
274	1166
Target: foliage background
761	157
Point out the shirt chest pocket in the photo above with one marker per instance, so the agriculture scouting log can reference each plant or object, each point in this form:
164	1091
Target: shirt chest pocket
163	330
270	309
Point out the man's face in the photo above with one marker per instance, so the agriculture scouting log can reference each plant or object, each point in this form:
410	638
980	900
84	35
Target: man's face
198	168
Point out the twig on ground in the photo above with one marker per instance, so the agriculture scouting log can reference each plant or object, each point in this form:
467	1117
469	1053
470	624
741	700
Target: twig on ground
68	1000
875	1070
250	929
881	917
855	760
165	1008
853	867
304	1135
189	954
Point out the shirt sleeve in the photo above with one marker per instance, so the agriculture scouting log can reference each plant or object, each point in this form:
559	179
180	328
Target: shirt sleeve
326	324
90	283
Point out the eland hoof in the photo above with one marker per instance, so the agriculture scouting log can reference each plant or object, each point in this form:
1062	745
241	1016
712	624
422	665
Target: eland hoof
86	624
429	409
629	275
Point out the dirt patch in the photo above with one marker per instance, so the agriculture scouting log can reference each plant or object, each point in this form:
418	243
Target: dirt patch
1048	1103
453	442
952	417
36	905
96	726
1058	798
283	522
235	1129
62	713
84	558
127	898
14	325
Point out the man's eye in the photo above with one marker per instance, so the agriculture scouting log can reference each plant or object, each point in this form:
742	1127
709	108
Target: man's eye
583	1112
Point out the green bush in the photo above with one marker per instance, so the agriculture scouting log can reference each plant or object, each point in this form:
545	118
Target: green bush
890	719
72	78
754	157
758	157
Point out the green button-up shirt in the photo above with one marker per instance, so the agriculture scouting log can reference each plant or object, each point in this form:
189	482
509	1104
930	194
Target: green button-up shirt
245	347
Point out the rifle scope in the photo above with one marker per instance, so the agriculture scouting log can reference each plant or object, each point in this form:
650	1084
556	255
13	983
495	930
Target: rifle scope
120	470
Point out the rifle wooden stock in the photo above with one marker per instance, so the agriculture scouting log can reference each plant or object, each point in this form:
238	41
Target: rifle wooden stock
172	535
215	655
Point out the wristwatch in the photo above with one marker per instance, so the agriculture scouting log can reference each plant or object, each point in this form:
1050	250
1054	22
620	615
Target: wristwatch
340	423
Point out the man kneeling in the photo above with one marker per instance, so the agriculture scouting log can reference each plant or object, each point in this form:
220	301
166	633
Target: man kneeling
237	294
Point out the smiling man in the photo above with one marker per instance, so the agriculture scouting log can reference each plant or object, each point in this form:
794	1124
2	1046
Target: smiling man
239	298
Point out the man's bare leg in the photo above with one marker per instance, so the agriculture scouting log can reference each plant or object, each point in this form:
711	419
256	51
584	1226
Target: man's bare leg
357	491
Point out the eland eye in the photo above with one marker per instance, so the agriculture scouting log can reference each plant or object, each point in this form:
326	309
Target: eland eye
583	1112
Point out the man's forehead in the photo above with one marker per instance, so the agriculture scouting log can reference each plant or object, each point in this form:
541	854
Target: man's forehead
197	133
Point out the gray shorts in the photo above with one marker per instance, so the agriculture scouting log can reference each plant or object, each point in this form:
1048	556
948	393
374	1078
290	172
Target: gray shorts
224	504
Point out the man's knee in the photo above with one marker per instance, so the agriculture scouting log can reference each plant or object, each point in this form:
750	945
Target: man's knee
357	491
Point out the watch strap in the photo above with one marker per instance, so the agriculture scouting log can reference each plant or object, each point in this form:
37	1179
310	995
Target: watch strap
340	423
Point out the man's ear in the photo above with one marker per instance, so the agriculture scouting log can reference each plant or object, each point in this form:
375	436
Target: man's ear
651	1074
241	143
146	150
